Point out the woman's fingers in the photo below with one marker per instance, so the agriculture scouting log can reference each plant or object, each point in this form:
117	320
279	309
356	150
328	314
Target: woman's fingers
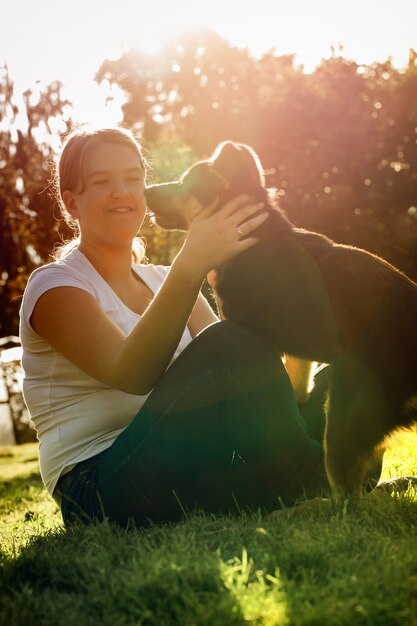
215	236
247	243
246	227
242	208
238	209
232	206
237	225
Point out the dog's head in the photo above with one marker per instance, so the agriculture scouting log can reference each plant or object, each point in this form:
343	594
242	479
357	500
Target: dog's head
233	169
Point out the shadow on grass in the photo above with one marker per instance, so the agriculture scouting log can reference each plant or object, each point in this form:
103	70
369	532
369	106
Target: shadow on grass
325	564
15	489
103	575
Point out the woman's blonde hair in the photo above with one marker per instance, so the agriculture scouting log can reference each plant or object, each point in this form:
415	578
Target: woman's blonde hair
69	174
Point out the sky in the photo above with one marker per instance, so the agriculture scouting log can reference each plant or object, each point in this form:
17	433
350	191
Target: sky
44	40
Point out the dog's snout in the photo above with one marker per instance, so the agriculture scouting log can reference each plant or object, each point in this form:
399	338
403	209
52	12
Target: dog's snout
163	202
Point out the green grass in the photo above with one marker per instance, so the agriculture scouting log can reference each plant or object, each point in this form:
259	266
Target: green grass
319	564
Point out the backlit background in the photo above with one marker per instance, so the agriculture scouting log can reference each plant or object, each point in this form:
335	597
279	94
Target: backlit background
324	91
68	40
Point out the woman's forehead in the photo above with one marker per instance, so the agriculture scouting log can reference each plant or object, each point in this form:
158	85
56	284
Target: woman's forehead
107	156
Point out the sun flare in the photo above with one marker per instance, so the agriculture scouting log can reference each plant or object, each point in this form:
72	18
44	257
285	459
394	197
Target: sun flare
76	42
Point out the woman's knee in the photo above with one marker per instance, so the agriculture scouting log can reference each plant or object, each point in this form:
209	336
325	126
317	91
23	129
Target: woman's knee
239	353
227	338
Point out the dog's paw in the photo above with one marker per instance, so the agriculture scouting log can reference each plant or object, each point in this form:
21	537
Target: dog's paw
400	484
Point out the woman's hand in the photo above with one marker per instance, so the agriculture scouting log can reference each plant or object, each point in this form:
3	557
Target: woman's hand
74	323
215	236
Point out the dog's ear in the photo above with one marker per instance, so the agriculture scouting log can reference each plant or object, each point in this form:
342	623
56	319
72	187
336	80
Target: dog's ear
238	164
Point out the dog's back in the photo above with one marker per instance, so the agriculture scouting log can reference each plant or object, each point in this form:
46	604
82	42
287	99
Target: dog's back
317	299
337	304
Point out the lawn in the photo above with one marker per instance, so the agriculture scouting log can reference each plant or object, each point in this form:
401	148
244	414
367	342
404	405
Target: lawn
321	564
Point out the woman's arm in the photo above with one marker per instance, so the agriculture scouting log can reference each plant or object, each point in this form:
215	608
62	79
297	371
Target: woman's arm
75	325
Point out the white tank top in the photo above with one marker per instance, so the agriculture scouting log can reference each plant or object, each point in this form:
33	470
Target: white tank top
76	416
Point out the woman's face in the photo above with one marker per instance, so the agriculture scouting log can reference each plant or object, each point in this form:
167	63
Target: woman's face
111	208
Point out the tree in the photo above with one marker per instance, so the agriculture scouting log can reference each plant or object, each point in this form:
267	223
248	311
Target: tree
28	226
338	144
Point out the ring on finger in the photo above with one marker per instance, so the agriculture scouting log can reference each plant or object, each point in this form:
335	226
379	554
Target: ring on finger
239	231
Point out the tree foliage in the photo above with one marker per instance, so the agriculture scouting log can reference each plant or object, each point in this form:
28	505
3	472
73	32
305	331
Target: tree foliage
338	144
28	228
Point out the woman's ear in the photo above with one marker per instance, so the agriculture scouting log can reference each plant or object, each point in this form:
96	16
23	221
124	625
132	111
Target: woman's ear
70	203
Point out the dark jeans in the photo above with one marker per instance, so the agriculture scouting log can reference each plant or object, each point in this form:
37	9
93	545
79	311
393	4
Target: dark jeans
221	432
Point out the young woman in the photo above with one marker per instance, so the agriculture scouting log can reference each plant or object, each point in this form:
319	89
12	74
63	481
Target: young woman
145	404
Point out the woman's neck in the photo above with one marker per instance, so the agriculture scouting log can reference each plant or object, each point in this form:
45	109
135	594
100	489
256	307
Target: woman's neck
112	263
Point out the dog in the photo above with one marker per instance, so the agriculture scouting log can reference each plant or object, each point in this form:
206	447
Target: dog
318	300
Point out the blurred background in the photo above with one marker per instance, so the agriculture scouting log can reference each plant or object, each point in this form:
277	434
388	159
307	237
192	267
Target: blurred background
325	92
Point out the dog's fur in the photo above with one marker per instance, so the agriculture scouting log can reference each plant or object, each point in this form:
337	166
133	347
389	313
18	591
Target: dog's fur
317	300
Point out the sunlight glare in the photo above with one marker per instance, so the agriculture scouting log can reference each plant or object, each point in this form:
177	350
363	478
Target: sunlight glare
148	43
70	45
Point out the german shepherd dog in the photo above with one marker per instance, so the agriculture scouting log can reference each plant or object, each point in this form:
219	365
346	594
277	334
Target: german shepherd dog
317	300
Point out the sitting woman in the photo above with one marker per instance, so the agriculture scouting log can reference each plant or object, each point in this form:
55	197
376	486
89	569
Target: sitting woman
145	404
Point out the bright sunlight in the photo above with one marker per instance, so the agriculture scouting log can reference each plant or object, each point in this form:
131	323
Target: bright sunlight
81	35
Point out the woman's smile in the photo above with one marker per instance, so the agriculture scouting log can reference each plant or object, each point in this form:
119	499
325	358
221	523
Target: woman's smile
121	209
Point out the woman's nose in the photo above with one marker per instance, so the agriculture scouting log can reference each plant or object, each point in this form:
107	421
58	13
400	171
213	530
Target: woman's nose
119	190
